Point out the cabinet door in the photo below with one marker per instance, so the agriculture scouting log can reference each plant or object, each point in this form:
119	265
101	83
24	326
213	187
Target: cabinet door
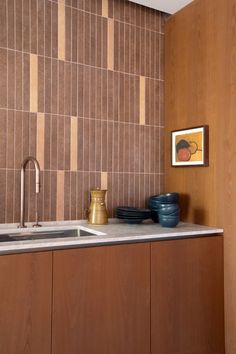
25	303
187	315
101	300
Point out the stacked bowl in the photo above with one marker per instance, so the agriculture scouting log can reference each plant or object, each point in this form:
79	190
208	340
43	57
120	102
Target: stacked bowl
165	209
133	215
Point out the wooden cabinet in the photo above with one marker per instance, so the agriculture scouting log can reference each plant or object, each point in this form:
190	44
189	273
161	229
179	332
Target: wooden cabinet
25	303
187	311
101	300
161	297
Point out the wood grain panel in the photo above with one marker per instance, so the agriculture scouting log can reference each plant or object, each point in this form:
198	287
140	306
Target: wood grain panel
25	289
187	296
102	300
200	88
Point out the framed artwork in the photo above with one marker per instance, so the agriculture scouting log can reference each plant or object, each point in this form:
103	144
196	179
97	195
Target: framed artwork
190	147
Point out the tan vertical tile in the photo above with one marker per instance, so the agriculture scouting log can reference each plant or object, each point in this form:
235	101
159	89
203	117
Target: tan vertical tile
33	83
105	8
73	144
40	139
142	90
61	31
110	47
104	179
60	194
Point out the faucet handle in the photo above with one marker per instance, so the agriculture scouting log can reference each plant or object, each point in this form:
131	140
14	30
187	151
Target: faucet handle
36	220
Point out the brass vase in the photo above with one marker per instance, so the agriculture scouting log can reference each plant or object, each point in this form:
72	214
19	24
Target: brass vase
97	213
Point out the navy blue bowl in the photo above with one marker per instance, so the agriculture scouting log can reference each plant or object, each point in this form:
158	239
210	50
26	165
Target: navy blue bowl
168	221
168	208
166	198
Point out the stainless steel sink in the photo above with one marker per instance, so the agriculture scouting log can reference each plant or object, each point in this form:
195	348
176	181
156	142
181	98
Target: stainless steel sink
42	235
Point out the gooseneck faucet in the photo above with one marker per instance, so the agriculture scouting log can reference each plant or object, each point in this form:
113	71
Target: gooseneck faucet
22	188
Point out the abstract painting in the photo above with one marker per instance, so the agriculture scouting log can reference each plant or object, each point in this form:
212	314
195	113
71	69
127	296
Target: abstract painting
190	147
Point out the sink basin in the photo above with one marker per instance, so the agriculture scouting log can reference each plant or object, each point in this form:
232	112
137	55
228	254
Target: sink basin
42	235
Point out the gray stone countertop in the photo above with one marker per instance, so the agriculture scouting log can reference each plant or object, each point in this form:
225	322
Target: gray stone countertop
116	232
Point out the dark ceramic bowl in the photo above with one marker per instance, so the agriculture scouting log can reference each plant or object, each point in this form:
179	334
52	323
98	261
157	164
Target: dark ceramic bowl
154	216
167	209
166	198
168	221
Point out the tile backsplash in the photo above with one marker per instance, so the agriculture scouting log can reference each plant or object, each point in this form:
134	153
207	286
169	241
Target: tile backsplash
81	89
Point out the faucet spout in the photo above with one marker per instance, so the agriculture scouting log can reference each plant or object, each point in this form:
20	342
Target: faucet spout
22	184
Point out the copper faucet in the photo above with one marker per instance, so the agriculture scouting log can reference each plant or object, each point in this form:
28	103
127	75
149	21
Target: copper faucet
22	188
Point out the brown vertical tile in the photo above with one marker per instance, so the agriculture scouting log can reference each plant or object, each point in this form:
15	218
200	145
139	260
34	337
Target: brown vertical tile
141	150
61	143
3	17
53	196
132	149
86	192
121	188
19	25
80	82
132	49
143	54
40	139
116	45
25	134
86	145
161	67
136	190
16	203
92	93
116	103
45	124
54	86
127	48
53	139
116	145
60	194
11	78
87	36
10	138
104	42
156	73
9	196
33	27
61	85
99	42
3	75
48	85
111	8
86	88
136	147
127	98
73	200
54	19
121	106
26	82
74	25
48	27
46	196
111	138
68	32
41	24
121	143
74	144
126	144
18	140
74	92
98	142
93	43
67	194
126	188
104	94
34	83
67	108
98	107
121	46
26	25
110	83
79	196
3	138
18	81
138	50
67	143
109	195
3	196
132	99
136	99
81	36
80	144
104	144
91	141
10	24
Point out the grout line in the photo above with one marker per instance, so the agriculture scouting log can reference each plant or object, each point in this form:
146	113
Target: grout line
81	63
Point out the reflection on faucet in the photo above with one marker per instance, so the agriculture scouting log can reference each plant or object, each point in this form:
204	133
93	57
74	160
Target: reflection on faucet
22	188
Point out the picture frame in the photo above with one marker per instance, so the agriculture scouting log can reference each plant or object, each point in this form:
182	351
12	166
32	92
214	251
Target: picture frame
190	147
